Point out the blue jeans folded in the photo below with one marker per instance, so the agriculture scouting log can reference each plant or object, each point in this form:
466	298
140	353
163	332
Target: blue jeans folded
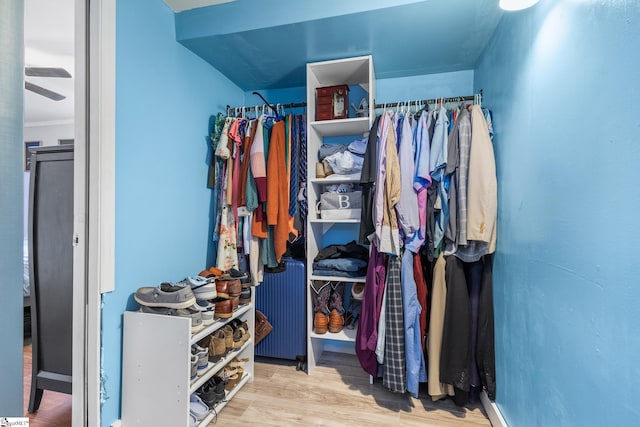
343	264
339	273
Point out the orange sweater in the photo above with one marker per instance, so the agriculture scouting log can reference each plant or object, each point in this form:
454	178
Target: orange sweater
277	190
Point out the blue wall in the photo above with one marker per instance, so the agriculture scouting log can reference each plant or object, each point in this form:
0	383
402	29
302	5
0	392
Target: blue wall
427	86
165	95
11	194
562	81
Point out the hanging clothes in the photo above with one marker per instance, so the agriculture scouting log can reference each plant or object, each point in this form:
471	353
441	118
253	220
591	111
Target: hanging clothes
277	188
464	144
387	193
367	333
227	256
485	348
259	167
416	370
436	387
367	181
444	204
421	180
407	206
423	297
250	134
482	198
438	164
394	375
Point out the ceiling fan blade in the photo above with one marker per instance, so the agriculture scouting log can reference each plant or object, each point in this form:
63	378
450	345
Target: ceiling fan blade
44	92
46	72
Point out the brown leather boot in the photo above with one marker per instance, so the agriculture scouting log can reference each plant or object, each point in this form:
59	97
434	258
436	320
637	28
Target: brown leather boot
336	321
320	323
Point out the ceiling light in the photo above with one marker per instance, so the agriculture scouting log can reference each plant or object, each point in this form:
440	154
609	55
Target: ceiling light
516	4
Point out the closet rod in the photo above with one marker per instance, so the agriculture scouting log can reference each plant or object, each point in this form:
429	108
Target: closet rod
428	101
249	109
476	97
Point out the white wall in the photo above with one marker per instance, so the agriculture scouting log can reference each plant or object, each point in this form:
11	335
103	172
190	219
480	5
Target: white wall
48	132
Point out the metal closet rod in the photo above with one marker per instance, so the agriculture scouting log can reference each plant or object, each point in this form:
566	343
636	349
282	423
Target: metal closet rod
428	101
475	97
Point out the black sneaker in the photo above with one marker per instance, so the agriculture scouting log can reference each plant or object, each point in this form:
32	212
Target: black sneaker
212	391
245	295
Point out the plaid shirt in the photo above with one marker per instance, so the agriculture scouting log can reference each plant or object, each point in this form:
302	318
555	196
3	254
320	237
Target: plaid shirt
394	373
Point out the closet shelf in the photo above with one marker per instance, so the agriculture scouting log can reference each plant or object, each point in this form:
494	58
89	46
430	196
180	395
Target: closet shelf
335	221
335	179
214	368
216	410
353	126
338	279
208	330
348	335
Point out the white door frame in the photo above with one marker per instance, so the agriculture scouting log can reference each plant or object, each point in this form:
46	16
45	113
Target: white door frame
94	197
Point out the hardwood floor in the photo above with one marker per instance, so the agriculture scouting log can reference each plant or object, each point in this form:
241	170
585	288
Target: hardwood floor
337	394
55	408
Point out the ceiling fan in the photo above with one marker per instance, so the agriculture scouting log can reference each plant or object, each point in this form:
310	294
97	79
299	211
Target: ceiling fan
45	72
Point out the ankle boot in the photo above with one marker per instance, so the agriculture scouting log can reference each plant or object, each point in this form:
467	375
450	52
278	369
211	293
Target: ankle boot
320	292
336	307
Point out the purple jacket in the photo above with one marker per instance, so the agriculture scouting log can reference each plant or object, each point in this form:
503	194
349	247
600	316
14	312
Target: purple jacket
367	335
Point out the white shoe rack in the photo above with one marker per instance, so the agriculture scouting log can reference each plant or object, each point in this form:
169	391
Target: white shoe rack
156	374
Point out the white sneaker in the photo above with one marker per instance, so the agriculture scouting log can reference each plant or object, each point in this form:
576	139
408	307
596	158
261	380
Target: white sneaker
202	287
207	310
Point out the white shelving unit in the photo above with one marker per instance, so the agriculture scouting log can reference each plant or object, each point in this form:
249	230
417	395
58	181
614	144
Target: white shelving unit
350	71
156	374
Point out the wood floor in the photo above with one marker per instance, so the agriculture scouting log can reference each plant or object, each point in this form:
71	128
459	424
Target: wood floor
55	408
337	394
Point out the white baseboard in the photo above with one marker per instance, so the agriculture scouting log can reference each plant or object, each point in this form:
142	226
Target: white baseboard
494	414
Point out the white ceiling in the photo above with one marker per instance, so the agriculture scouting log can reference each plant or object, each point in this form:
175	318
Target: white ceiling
49	42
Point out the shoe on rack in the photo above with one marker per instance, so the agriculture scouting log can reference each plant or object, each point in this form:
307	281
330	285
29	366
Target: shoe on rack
193	420
238	338
352	324
234	286
236	274
197	407
194	315
243	326
210	392
238	363
222	288
166	295
228	337
320	323
235	301
213	273
194	367
336	321
245	295
202	287
203	357
357	291
234	379
216	343
207	310
224	308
